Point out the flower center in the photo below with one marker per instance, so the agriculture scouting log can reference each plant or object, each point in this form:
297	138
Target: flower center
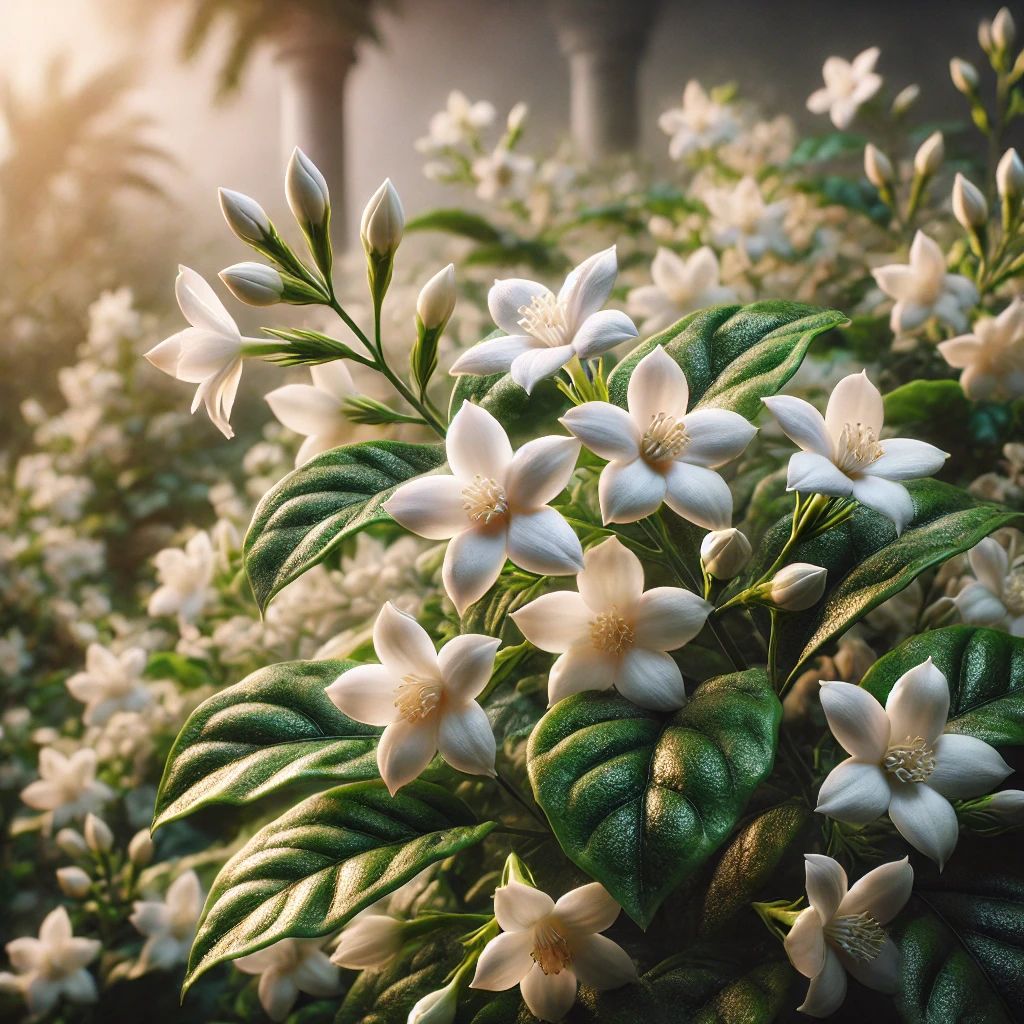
544	319
611	633
664	439
484	500
911	761
858	447
550	949
858	935
417	697
1013	592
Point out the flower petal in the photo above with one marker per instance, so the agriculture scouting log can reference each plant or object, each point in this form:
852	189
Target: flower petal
629	491
657	385
856	719
605	429
540	470
918	704
854	400
889	498
549	996
882	972
305	409
827	990
334	379
602	964
925	819
519	907
507	297
602	331
651	679
316	975
581	668
966	767
477	445
990	563
544	543
366	694
802	423
960	352
825	881
612	576
504	962
530	368
805	943
403	645
472	563
666	618
590	908
431	506
587	287
699	495
404	751
495	355
465	740
811	473
715	437
906	459
854	791
555	622
200	305
466	663
882	892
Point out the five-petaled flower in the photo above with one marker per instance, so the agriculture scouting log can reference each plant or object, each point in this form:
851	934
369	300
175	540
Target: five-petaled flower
425	698
110	683
67	786
841	931
843	453
657	451
287	968
849	84
991	356
547	947
168	924
613	632
901	761
996	596
493	505
699	123
544	331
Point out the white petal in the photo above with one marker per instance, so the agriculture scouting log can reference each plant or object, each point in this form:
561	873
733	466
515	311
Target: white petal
699	495
882	973
666	618
889	498
540	470
802	423
431	506
990	563
897	280
166	354
961	352
472	563
811	473
805	943
277	994
505	960
825	881
200	305
56	928
519	907
716	436
555	622
856	719
882	892
466	663
855	400
334	379
925	819
629	491
827	990
979	606
543	542
80	987
316	975
404	751
589	908
602	964
602	331
854	791
530	368
549	996
305	409
580	669
918	704
612	576
966	767
494	356
906	459
366	694
605	429
403	645
650	679
466	741
587	287
477	445
657	385
507	297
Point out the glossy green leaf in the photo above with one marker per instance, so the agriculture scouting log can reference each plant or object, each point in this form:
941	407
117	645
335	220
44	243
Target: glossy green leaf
307	873
302	519
638	800
275	727
985	672
922	401
456	222
733	356
518	412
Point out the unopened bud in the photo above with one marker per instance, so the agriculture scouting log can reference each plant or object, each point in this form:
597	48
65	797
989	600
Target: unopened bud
798	587
985	35
1004	31
254	283
245	216
71	843
140	849
437	1007
928	158
969	206
98	836
436	301
1008	805
1010	175
383	221
877	167
369	943
74	882
905	99
306	190
724	553
964	75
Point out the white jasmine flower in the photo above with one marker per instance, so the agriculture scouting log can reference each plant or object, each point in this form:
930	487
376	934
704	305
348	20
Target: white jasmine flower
798	586
922	289
700	123
209	353
996	596
437	1007
657	452
459	120
493	505
543	331
503	173
844	455
613	632
67	787
316	410
741	217
426	699
841	931
680	286
186	577
848	86
287	968
370	942
547	948
52	966
902	763
110	683
991	356
169	925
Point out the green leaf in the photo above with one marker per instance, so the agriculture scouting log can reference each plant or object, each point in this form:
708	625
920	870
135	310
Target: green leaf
985	672
867	563
733	356
822	148
275	727
307	873
456	222
922	401
639	800
302	519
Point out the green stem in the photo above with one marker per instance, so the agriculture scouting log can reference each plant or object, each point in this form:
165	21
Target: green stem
519	799
773	647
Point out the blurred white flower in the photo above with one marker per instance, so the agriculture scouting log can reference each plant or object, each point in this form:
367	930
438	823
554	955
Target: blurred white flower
287	968
369	942
169	925
700	123
848	86
316	410
110	683
503	174
185	576
67	787
996	595
459	121
741	217
991	356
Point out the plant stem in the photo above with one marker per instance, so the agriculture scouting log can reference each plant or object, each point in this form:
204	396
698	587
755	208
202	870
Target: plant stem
519	799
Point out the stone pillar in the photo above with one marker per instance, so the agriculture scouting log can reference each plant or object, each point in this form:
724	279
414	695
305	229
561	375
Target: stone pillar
604	42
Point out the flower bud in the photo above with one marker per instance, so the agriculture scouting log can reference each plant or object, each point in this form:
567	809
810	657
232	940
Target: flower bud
383	221
969	206
1010	175
1004	31
1008	804
437	1007
98	836
724	553
140	849
516	117
246	218
74	882
369	943
306	190
71	843
985	35
436	301
905	99
928	158
964	75
877	167
797	587
254	283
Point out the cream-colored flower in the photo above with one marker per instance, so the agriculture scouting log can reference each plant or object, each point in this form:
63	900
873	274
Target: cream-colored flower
991	356
996	596
67	787
680	286
287	968
169	925
186	576
110	683
741	217
699	123
848	86
316	410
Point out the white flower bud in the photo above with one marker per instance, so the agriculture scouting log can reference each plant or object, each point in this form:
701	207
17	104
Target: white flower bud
929	156
254	283
73	882
437	1007
98	836
725	553
964	75
369	943
245	216
383	221
140	849
1004	31
306	190
985	35
436	301
969	206
905	99
71	843
1007	804
798	586
1010	175
877	167
516	117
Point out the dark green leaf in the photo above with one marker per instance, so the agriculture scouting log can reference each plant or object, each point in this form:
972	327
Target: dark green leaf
312	510
456	222
922	401
307	873
506	401
638	800
275	727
